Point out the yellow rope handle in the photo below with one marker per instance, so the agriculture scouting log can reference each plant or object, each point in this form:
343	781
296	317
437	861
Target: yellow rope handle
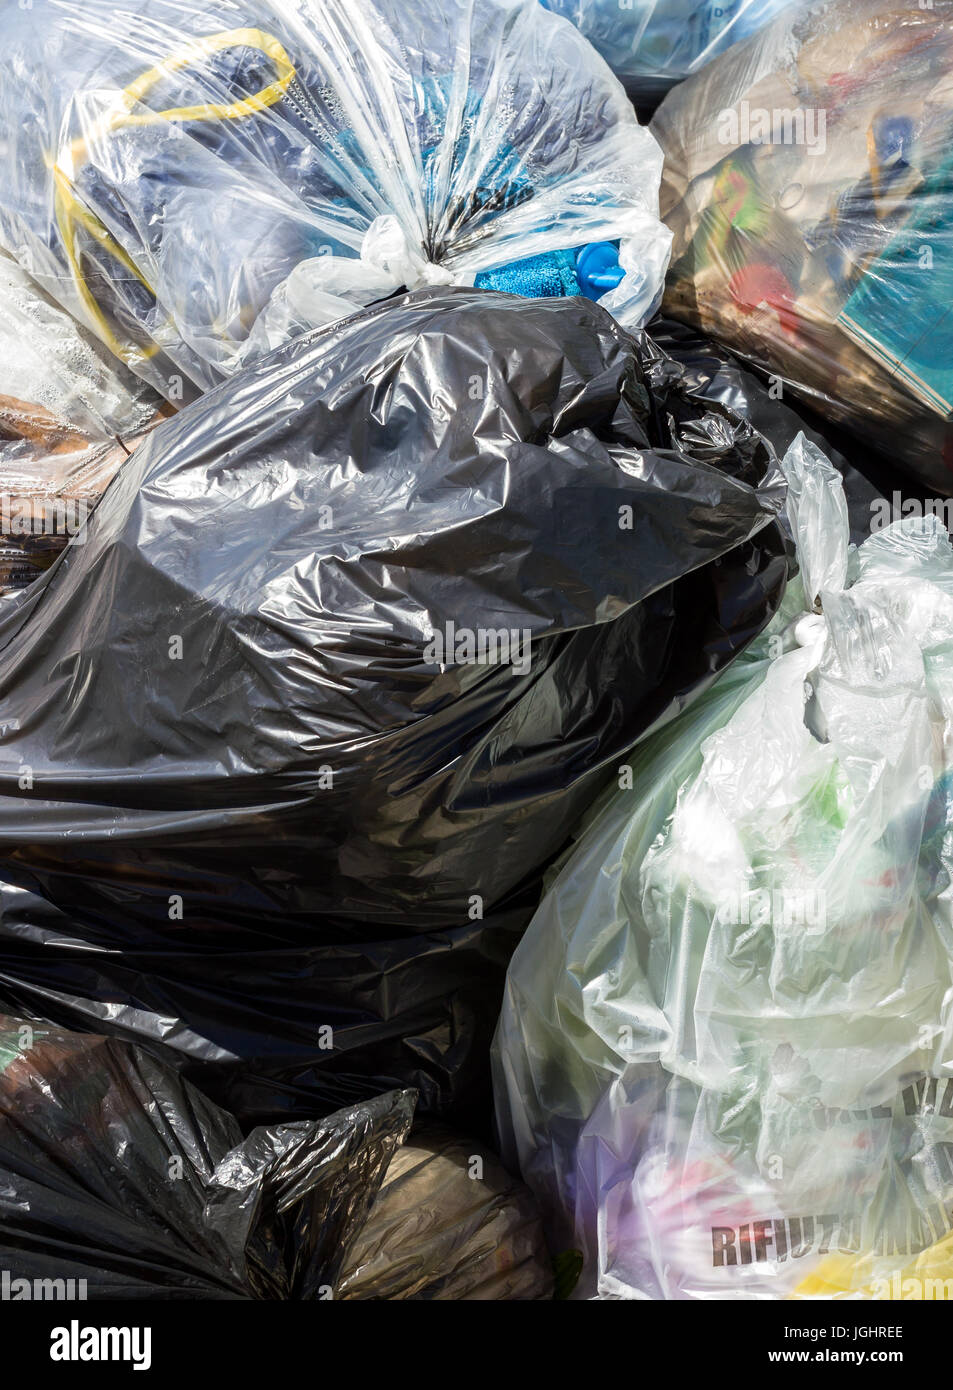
71	213
190	53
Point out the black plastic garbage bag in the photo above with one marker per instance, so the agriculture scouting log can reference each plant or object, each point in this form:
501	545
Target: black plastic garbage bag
116	1172
710	372
288	736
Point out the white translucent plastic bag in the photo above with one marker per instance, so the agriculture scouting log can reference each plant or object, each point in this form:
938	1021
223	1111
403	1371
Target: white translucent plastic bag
199	179
725	1047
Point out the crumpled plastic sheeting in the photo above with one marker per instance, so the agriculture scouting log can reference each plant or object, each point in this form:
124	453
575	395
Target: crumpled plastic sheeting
247	798
69	415
448	1223
652	44
807	183
198	181
115	1171
723	1057
710	372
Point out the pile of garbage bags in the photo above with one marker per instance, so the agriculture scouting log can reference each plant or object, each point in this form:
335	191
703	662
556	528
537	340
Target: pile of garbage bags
348	647
476	788
807	184
119	1180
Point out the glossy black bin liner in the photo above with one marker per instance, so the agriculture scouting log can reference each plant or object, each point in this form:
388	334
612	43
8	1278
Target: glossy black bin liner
246	814
711	373
114	1171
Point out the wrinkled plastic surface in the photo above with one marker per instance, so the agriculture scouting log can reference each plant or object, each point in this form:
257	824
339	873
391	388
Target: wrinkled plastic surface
448	1223
199	181
652	44
115	1171
723	1057
69	415
254	784
710	373
808	186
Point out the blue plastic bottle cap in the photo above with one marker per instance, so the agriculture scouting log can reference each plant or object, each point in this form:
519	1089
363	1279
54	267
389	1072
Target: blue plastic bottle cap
598	269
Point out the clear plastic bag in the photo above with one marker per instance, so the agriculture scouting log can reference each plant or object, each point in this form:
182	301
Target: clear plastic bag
808	183
652	44
199	181
724	1055
69	415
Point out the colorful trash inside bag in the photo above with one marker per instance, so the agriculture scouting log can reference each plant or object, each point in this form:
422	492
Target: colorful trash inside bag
809	186
350	645
448	1223
198	182
652	44
723	1057
120	1180
69	415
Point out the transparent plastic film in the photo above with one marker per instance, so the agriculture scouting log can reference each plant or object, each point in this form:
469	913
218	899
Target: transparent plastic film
652	44
723	1056
69	415
808	186
199	182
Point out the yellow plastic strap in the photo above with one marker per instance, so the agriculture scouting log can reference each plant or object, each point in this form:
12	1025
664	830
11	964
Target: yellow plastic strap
200	48
71	212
